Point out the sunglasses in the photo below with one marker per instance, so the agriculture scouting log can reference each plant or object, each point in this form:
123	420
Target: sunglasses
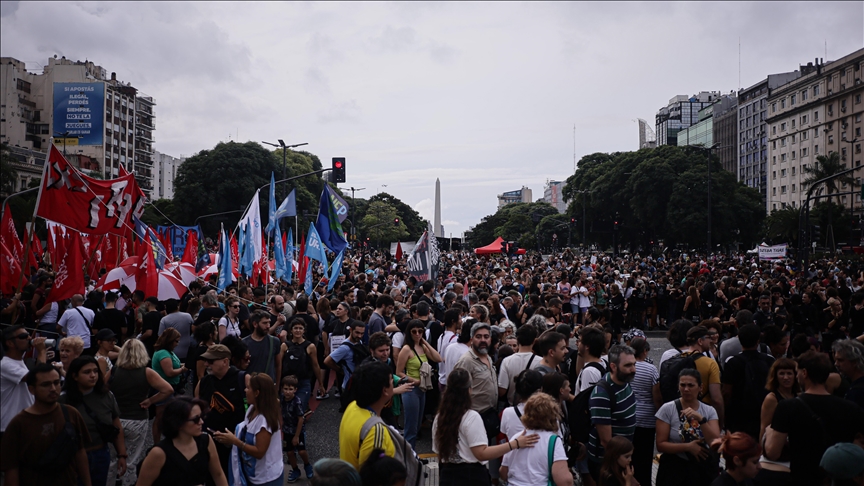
235	306
196	419
23	336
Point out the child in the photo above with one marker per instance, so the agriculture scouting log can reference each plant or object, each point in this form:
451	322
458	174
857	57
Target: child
293	429
616	469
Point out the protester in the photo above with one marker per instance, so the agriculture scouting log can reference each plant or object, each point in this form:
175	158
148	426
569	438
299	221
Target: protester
849	360
529	466
229	324
130	382
513	365
336	472
265	350
382	470
617	468
106	350
293	427
78	321
781	385
14	394
484	380
85	389
374	388
182	323
646	390
844	463
186	457
412	366
344	356
205	336
744	378
741	453
527	384
455	350
70	348
685	428
24	456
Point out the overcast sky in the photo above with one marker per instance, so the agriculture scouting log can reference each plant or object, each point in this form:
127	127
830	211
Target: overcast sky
484	95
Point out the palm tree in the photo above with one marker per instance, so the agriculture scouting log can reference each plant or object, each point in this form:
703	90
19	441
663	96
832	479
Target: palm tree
782	225
826	166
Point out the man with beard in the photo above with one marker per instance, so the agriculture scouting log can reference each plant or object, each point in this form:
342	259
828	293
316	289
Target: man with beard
484	379
612	419
264	349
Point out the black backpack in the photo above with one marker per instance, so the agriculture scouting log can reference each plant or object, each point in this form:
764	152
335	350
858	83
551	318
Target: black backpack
580	408
359	352
669	371
296	360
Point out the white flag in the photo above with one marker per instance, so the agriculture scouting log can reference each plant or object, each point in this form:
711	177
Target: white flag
252	219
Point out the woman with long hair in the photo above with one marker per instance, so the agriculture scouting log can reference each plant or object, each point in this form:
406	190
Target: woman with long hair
106	350
781	385
186	456
617	468
741	453
415	352
131	381
205	335
229	324
257	441
479	312
459	437
692	305
528	467
685	428
85	389
168	366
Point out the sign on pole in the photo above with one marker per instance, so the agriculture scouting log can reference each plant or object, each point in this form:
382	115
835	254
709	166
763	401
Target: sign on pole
775	252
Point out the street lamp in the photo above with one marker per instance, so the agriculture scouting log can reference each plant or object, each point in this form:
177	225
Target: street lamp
353	190
584	232
284	156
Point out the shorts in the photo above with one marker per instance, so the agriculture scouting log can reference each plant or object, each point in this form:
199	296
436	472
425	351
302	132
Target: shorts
289	446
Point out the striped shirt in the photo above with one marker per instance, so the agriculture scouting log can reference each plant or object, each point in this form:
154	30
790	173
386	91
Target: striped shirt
622	418
642	385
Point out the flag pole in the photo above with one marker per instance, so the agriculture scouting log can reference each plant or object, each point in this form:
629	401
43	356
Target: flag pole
35	210
26	251
90	259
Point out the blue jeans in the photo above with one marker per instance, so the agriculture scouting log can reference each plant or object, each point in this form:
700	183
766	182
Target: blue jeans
304	391
413	404
99	461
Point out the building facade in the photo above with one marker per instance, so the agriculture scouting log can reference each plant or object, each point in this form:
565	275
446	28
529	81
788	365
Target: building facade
752	139
681	112
517	196
552	194
725	132
92	117
700	133
165	167
816	114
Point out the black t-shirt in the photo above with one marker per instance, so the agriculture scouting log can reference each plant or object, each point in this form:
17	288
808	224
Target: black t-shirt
724	479
312	332
747	373
225	398
151	322
209	314
435	332
110	319
840	420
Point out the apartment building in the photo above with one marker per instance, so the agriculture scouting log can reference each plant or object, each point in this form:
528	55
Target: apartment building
681	112
517	196
816	114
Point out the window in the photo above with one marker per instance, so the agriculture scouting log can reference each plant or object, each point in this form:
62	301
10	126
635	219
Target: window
774	130
793	124
773	160
843	105
783	103
858	118
804	135
816	90
857	132
831	110
774	145
804	95
793	138
857	98
774	193
830	139
816	149
803	119
793	187
792	100
773	107
792	155
793	170
782	189
804	152
815	116
783	173
783	127
773	175
783	142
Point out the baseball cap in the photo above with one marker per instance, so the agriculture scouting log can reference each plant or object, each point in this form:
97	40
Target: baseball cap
105	335
216	351
843	460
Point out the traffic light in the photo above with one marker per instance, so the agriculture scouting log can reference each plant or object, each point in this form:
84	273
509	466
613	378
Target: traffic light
815	233
504	247
338	169
616	226
396	221
572	220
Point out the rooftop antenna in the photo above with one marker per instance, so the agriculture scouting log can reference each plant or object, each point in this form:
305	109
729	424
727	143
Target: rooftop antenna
826	48
739	63
574	148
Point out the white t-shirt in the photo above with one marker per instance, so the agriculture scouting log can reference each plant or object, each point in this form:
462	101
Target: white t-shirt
270	467
511	424
587	377
445	340
454	352
471	434
231	328
14	395
669	414
398	340
511	366
73	325
50	317
530	466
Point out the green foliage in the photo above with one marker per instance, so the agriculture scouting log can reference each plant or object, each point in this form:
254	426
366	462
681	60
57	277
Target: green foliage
8	172
160	212
661	194
514	222
378	223
781	226
413	222
831	216
826	166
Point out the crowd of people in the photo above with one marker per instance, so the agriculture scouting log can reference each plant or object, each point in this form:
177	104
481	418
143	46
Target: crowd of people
530	370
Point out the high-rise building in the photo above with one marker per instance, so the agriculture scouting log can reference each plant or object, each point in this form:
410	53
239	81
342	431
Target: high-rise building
552	194
725	121
816	114
517	196
647	139
681	112
165	167
752	140
93	118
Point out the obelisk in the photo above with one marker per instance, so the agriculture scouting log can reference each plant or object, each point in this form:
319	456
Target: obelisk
437	224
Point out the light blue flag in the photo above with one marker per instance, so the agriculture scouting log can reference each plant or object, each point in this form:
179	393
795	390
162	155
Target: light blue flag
335	270
308	284
288	207
289	256
279	255
226	275
271	207
241	246
315	249
248	258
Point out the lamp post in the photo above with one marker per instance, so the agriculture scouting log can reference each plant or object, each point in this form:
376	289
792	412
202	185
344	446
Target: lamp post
284	156
584	231
353	190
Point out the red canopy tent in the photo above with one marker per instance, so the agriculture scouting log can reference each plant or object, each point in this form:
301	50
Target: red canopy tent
495	247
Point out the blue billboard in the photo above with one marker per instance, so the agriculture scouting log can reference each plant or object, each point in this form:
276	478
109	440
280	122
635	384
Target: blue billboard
78	112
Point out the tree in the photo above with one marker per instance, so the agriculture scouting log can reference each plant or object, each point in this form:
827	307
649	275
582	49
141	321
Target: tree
781	226
415	224
379	223
826	166
159	212
513	222
8	172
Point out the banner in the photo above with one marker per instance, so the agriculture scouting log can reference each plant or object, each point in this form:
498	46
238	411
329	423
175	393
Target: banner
177	236
91	206
418	261
775	252
78	112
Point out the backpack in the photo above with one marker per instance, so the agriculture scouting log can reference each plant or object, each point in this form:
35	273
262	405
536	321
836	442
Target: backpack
580	408
670	370
403	451
359	352
295	361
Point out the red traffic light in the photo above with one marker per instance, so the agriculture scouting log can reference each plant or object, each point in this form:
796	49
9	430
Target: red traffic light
395	220
337	164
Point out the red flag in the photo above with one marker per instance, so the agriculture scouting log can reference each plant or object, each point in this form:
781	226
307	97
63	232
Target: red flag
69	279
147	276
235	257
10	270
109	253
256	269
35	251
398	251
301	260
88	205
190	253
169	254
9	237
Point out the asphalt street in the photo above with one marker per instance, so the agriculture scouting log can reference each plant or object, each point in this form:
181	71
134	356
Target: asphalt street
322	430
